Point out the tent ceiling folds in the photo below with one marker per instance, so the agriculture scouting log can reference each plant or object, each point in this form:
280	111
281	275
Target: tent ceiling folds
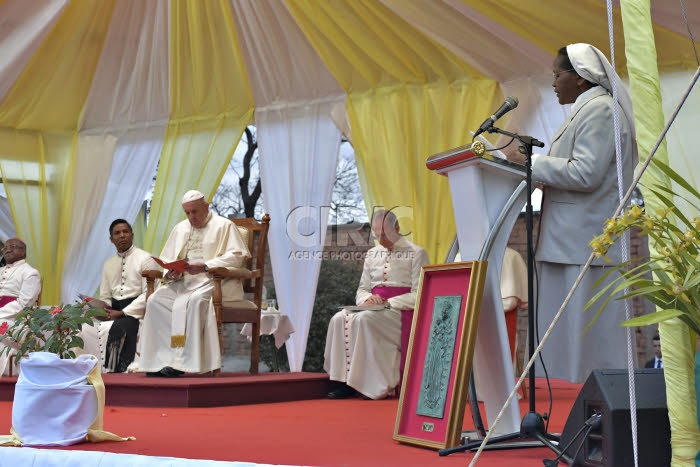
94	95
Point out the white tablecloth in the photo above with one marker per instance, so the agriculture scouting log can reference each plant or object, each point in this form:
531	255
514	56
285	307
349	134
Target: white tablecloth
272	322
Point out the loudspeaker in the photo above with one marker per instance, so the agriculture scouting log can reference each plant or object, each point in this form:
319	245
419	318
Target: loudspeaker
610	443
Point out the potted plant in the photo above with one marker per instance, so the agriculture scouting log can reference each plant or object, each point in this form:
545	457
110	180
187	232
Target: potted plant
55	330
59	398
670	279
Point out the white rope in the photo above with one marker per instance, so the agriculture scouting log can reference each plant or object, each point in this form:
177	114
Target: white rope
624	240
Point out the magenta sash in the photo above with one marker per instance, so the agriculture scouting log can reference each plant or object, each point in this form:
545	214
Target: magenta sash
5	299
389	292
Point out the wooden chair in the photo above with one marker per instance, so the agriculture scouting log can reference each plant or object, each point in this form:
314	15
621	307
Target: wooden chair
251	275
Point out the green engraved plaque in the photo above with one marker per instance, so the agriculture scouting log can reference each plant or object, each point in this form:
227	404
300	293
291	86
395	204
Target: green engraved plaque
438	356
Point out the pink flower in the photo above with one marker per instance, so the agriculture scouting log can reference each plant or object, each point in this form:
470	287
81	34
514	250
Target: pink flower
4	327
57	310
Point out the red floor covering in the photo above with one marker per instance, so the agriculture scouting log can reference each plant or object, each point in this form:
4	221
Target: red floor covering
352	432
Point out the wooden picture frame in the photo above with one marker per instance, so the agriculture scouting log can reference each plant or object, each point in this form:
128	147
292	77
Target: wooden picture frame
439	358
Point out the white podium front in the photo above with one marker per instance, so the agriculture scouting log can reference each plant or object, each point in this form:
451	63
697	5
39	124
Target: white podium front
488	194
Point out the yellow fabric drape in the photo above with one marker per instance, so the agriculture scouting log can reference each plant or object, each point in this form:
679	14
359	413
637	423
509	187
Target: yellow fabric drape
394	131
408	98
677	340
574	20
36	172
38	134
95	433
211	104
365	45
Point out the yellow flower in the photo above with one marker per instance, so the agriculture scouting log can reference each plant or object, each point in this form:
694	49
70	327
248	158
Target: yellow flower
635	212
609	225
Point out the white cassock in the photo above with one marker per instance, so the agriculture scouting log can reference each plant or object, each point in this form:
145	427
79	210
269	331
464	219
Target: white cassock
179	328
22	281
121	279
363	348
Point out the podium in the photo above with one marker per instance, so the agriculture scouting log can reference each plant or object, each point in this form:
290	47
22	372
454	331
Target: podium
488	194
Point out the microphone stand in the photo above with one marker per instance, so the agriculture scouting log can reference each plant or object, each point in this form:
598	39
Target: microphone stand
532	425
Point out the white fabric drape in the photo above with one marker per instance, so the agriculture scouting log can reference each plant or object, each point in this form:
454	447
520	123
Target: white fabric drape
282	66
23	34
298	157
133	167
7	226
131	82
129	102
93	159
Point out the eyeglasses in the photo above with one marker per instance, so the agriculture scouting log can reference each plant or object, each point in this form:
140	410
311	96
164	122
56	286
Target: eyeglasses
556	74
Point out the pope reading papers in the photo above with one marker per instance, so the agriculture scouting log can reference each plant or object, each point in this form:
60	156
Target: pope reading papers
178	265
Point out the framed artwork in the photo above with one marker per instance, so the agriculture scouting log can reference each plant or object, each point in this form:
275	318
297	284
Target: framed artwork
439	358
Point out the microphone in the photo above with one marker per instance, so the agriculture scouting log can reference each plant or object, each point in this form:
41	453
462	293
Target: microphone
509	104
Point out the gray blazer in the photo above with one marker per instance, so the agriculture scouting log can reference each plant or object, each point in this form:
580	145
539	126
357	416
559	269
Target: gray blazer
580	178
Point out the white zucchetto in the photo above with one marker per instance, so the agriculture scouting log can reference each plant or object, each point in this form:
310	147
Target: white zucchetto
192	195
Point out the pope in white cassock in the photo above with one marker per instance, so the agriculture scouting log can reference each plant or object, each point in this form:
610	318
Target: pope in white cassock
20	285
363	347
179	331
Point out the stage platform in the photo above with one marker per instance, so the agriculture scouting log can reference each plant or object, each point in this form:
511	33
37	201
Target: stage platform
138	390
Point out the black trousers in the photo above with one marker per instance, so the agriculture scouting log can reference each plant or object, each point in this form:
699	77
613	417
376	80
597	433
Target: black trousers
121	341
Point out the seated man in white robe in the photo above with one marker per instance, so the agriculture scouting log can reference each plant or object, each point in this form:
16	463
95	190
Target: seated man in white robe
363	347
20	285
123	296
179	331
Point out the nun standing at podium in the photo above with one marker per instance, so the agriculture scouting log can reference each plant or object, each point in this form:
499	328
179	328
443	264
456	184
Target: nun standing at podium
580	186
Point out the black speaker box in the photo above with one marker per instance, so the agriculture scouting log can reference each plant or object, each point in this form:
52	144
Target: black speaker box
610	444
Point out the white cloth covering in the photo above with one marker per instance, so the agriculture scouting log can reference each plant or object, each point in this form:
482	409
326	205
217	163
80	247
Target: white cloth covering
363	348
182	309
12	457
54	405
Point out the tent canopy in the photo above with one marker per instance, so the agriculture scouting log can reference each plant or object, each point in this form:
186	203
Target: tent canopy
95	94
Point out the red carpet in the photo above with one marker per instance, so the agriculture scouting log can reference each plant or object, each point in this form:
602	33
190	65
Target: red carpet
353	433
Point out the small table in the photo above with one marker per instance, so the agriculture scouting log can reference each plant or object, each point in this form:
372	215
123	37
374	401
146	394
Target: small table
274	323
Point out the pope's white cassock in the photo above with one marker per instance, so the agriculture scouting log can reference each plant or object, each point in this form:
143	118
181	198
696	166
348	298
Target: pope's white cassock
179	329
363	347
23	282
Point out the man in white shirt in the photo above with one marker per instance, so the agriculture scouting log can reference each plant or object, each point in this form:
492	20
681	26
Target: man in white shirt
179	330
20	285
123	297
363	347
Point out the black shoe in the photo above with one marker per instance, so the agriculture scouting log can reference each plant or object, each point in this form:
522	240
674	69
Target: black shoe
167	372
170	372
342	392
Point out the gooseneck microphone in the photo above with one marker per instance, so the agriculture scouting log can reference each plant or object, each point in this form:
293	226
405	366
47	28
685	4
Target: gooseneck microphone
509	104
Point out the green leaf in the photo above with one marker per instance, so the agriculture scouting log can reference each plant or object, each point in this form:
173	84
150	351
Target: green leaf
653	318
673	175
